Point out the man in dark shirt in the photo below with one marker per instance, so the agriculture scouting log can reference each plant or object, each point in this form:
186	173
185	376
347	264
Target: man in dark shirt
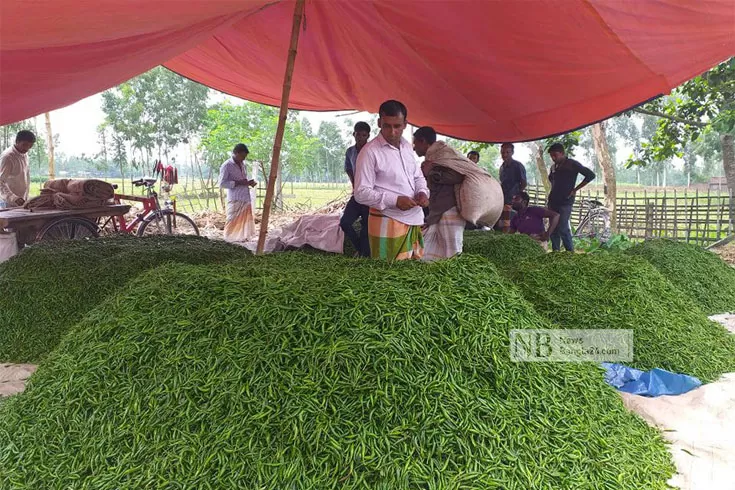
354	210
529	220
512	175
563	177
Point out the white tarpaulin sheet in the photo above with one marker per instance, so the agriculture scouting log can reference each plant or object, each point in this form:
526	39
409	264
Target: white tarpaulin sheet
320	231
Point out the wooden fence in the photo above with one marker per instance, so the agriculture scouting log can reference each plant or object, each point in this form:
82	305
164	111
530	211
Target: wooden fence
700	217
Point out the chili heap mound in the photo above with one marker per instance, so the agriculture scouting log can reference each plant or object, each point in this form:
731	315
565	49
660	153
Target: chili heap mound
619	291
701	274
306	371
49	287
502	249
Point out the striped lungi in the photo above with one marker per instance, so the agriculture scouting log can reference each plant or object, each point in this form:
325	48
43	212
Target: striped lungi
393	240
444	239
240	225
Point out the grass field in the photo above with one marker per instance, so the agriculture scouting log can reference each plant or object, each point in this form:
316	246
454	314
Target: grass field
191	197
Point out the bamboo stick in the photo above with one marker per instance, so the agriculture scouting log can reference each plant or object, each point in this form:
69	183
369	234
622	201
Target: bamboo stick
295	30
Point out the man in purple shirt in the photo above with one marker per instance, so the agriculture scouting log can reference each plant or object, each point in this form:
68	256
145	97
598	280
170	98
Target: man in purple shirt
529	220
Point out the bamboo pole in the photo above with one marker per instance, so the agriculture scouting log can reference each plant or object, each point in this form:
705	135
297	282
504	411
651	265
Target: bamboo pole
295	30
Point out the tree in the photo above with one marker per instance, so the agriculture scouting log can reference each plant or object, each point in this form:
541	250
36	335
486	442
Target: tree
50	142
489	153
227	124
608	170
157	110
332	151
702	105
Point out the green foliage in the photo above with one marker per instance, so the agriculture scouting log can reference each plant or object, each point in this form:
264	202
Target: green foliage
705	103
615	243
255	125
570	141
489	153
620	291
700	274
48	287
297	371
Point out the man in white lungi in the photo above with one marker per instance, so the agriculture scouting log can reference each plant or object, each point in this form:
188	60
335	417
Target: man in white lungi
233	176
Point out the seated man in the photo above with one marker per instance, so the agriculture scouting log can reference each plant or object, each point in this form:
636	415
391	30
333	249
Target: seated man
444	226
529	220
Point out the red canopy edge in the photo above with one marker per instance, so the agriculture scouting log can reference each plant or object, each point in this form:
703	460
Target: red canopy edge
478	70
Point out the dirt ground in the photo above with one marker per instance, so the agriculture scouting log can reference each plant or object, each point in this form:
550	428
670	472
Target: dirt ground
211	224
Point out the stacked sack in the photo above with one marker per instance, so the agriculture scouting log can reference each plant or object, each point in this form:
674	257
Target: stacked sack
72	194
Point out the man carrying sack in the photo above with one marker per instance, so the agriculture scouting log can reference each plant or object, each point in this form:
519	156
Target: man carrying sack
478	197
444	226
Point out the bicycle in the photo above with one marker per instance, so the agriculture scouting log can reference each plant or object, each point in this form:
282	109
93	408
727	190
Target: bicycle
154	219
596	223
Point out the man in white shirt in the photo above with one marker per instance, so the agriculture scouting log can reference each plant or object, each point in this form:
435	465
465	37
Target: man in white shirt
15	176
389	180
233	176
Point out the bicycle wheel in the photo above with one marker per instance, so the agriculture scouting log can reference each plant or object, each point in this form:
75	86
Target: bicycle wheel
167	223
595	225
68	229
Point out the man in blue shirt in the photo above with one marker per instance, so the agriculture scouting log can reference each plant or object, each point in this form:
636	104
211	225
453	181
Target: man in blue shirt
563	177
354	210
512	176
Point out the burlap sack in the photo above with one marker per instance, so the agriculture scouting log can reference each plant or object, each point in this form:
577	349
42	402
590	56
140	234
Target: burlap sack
479	196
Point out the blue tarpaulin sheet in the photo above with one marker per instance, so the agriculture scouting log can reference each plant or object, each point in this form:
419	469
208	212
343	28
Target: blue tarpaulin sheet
655	382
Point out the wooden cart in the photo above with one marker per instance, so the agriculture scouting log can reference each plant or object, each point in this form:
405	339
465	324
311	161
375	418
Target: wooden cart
56	224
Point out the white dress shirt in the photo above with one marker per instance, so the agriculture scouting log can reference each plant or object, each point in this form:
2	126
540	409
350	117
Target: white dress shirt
384	173
229	172
15	176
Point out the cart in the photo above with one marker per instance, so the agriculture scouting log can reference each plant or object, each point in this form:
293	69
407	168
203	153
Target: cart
56	224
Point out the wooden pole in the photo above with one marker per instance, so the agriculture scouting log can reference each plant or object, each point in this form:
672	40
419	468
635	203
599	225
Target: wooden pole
295	30
50	144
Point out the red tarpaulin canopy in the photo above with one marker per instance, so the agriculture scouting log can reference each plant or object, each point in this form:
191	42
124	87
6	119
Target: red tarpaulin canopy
476	69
